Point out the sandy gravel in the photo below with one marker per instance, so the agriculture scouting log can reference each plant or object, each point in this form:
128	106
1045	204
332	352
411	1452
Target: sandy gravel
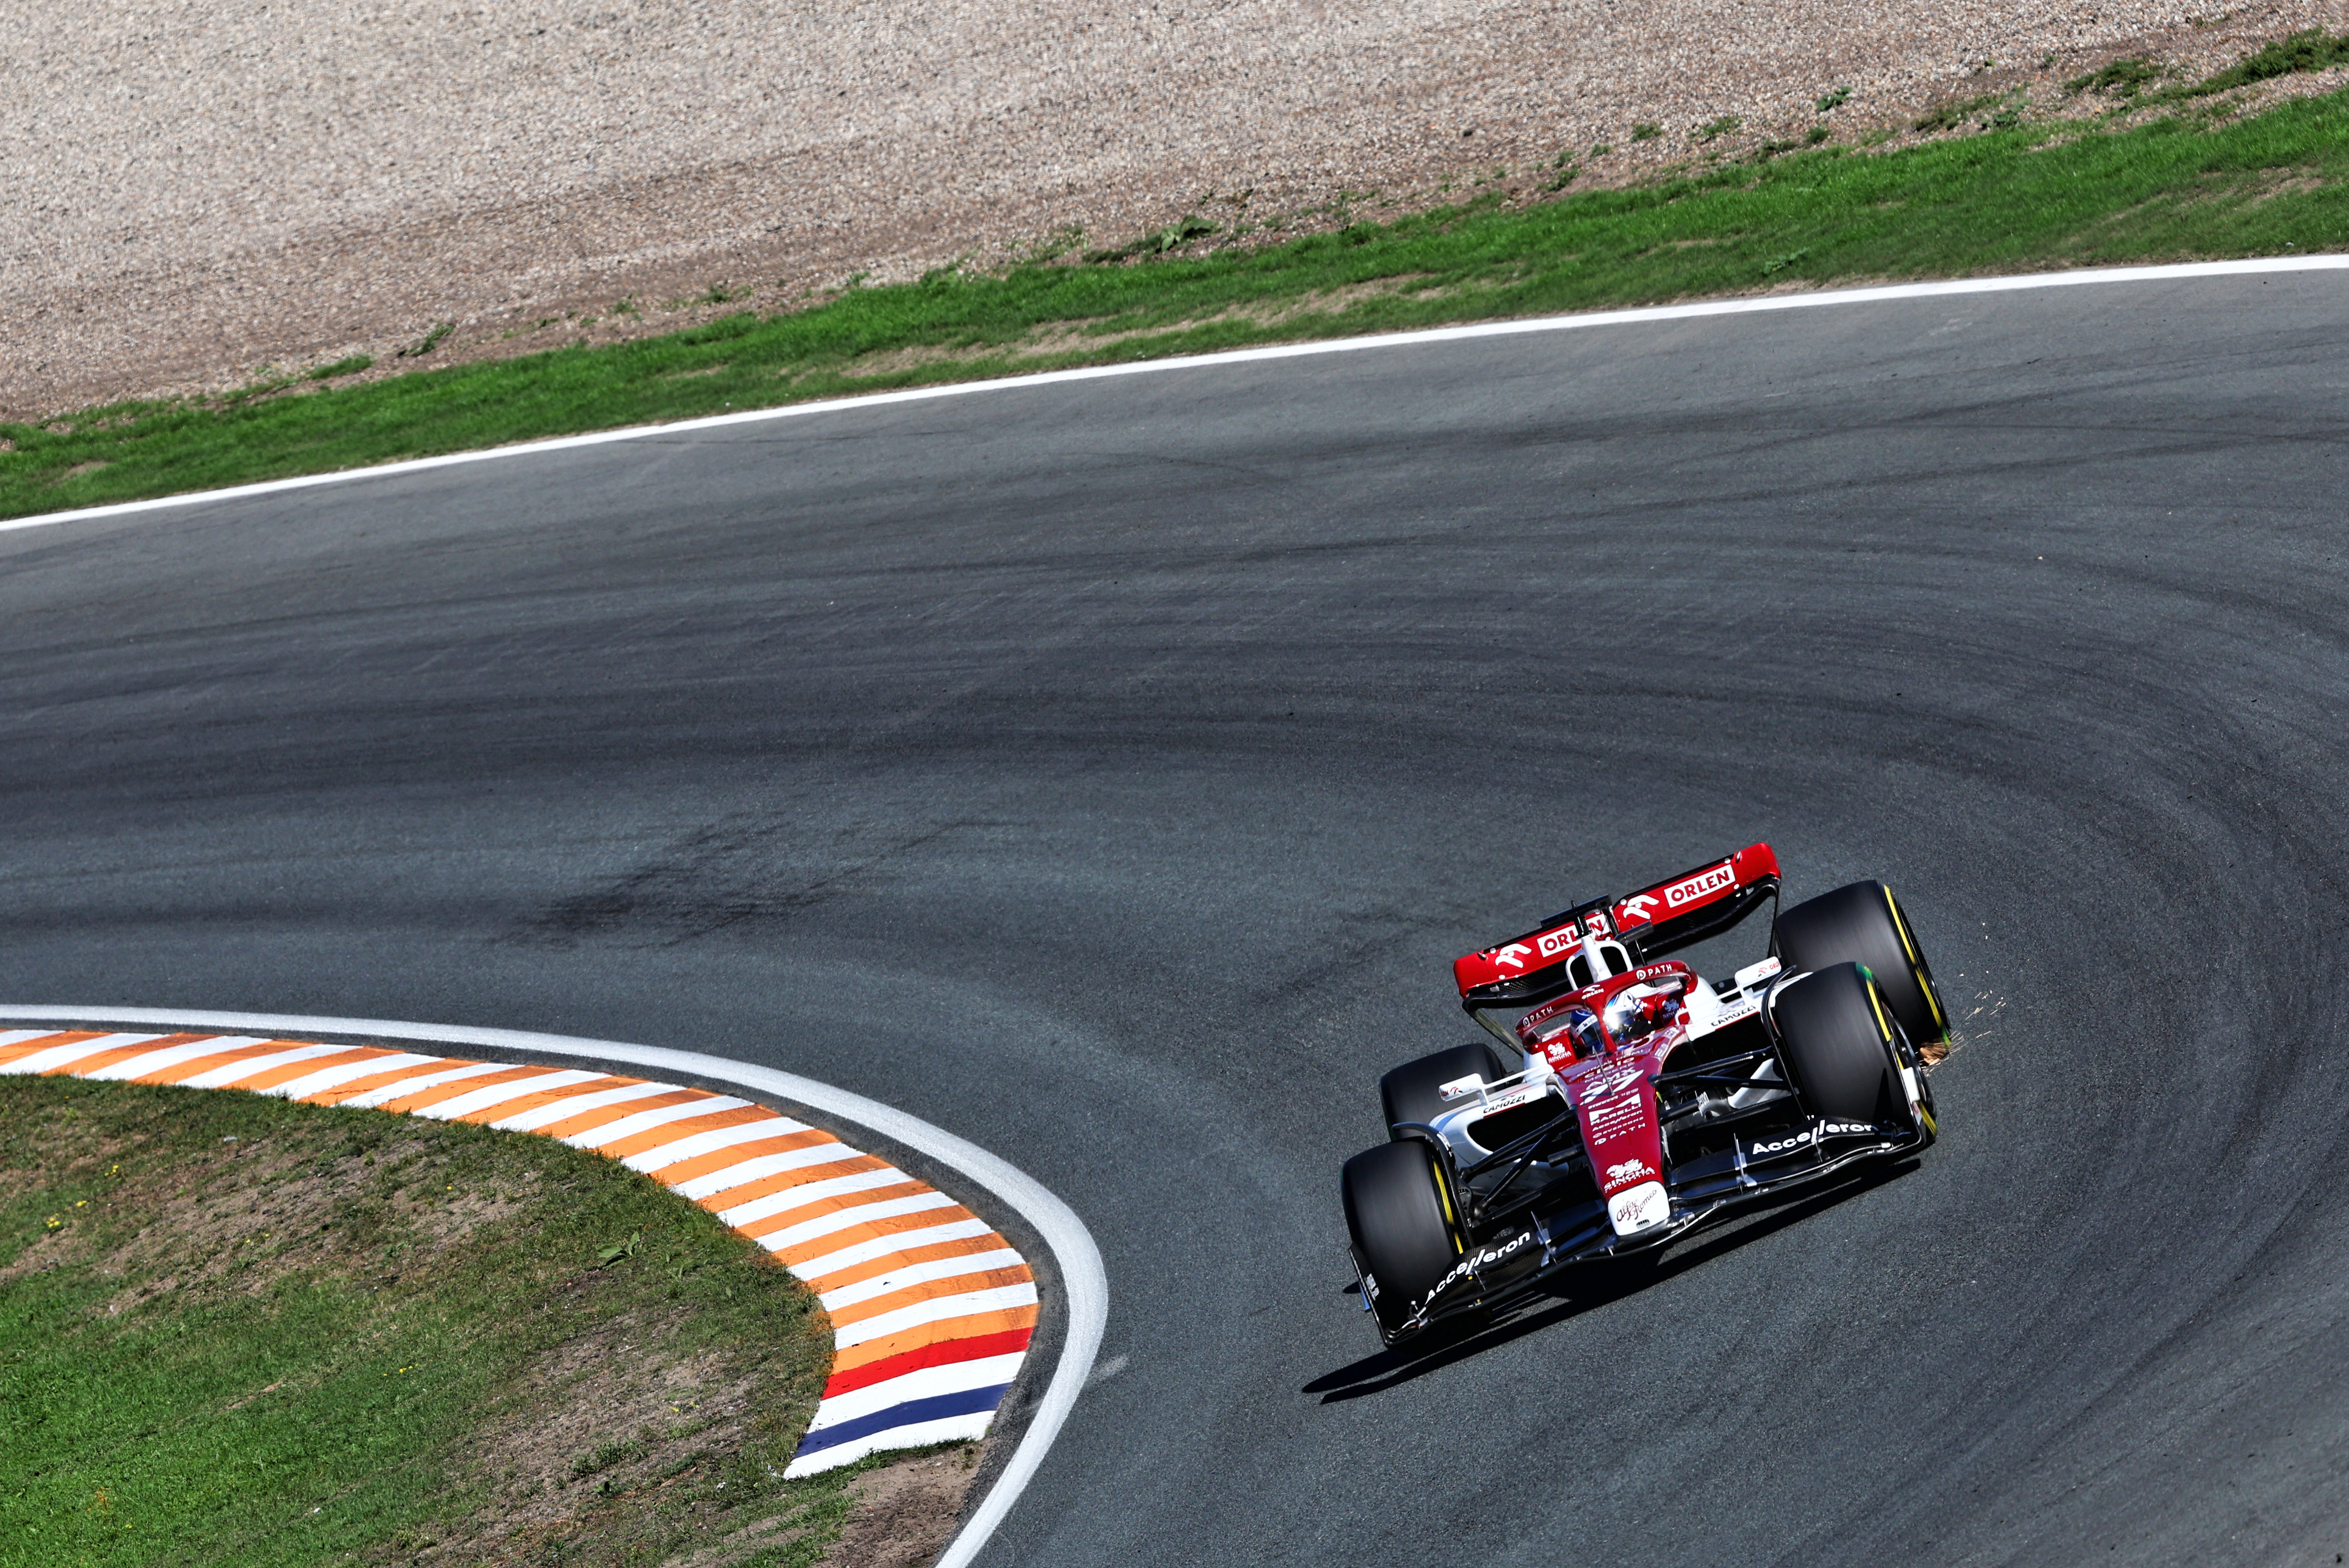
190	193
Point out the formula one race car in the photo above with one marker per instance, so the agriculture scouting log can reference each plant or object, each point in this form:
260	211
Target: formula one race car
1632	1100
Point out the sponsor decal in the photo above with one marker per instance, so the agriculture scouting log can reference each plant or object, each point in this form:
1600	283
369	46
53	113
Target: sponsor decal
1459	1270
1371	1286
1545	1011
1629	1170
1702	886
1523	1095
1613	1115
1637	1209
1763	1148
1514	956
1564	939
1459	1087
1481	1259
1502	1253
1609	1077
1638	907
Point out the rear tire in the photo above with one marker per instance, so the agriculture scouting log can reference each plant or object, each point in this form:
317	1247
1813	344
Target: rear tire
1864	924
1412	1092
1833	1037
1404	1226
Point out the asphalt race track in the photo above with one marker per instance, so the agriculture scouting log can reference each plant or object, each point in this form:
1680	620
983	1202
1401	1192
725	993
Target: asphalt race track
1108	773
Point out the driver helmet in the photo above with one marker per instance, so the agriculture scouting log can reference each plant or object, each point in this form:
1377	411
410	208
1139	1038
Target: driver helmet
1644	1009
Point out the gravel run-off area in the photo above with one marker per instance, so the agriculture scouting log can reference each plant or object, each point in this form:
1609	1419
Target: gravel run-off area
193	196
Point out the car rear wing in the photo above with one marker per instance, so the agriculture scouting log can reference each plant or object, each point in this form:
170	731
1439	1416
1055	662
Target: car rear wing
1678	912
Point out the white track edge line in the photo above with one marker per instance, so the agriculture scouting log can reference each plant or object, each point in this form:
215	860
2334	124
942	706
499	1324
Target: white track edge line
1748	306
1083	1280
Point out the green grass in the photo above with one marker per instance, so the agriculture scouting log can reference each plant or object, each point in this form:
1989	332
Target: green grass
350	366
233	1330
2014	197
2313	50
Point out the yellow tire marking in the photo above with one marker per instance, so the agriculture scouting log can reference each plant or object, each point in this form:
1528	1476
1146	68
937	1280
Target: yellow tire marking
1443	1197
1916	965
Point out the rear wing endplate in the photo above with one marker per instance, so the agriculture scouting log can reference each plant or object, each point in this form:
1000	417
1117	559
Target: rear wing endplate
1677	912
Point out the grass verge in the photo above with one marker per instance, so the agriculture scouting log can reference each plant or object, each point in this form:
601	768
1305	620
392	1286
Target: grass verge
233	1330
2199	184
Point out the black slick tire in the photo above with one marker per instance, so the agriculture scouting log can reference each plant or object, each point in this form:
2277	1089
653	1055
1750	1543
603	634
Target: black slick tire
1404	1229
1837	1042
1864	924
1412	1092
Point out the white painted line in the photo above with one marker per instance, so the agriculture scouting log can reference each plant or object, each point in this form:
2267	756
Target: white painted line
952	1429
928	1383
58	1056
915	1274
800	1197
936	1309
384	1093
863	1214
695	1145
571	1105
1083	1278
815	1269
326	1078
252	1066
18	1036
148	1062
466	1104
645	1121
2081	278
758	1167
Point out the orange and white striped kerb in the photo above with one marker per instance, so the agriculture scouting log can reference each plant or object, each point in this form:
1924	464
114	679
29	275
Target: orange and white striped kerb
931	1310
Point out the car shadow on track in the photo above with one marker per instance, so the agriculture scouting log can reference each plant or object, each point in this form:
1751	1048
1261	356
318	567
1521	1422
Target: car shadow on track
1587	1287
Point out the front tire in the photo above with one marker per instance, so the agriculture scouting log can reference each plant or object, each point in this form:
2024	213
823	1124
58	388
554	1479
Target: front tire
1864	924
1412	1092
1838	1044
1404	1226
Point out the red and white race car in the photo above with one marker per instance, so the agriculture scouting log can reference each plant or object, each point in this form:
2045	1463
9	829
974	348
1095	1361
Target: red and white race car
1629	1099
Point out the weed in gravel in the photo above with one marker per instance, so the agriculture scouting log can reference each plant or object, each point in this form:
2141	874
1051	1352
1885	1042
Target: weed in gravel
1173	236
428	342
1714	130
2314	50
349	367
2120	78
1646	131
264	388
1056	244
1950	115
1830	101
